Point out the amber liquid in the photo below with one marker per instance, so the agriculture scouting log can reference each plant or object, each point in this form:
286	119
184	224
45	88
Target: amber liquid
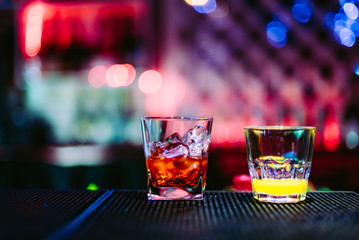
178	172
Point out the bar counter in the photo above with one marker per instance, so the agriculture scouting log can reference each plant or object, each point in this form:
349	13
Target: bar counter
127	214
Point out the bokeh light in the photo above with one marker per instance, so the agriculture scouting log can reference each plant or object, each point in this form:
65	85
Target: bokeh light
356	69
342	2
354	26
33	29
352	139
302	12
97	76
340	19
331	136
196	2
329	20
92	187
131	72
116	75
276	33
208	7
351	10
344	24
347	37
150	81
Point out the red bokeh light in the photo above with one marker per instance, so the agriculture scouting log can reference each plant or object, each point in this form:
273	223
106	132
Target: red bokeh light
54	27
331	136
33	29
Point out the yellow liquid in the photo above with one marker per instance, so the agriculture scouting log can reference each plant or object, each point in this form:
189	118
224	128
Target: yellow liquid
280	186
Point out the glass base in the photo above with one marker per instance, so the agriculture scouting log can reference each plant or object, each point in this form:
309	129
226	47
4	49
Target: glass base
280	190
175	193
292	198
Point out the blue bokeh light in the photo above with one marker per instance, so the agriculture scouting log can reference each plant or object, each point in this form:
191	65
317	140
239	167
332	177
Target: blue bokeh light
345	29
209	7
342	2
351	10
340	16
356	69
301	12
339	24
276	33
345	23
347	37
329	20
354	26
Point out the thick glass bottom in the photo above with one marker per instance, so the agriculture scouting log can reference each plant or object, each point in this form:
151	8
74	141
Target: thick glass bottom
175	193
293	198
280	190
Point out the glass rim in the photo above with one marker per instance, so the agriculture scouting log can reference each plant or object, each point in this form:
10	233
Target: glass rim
279	127
188	118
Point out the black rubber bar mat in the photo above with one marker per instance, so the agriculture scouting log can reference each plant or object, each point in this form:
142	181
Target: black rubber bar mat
125	214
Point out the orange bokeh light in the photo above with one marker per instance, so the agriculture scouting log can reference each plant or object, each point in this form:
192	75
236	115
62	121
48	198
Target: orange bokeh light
150	81
97	76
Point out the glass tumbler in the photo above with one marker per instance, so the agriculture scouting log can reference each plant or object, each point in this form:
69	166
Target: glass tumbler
176	152
279	161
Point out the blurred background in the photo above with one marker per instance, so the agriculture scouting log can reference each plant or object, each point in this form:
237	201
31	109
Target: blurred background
76	76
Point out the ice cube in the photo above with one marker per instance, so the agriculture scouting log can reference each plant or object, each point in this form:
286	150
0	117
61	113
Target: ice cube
156	148
175	150
174	138
197	140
